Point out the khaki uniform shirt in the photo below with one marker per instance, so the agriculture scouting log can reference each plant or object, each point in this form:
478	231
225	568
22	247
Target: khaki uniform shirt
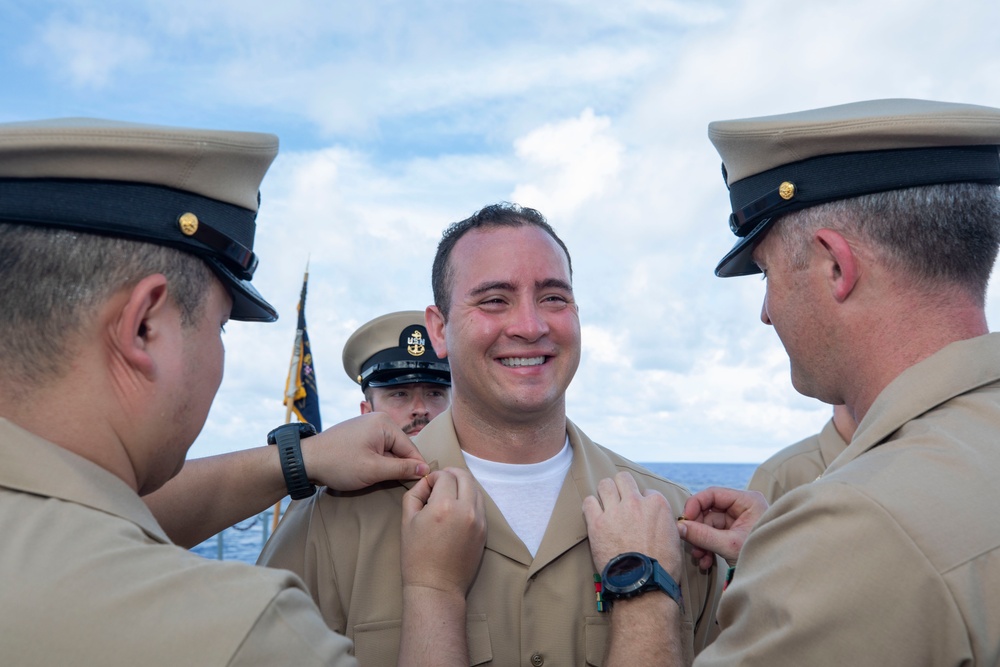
797	464
893	556
521	611
88	578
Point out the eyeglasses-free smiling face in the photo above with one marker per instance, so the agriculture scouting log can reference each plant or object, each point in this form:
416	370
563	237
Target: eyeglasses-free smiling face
513	331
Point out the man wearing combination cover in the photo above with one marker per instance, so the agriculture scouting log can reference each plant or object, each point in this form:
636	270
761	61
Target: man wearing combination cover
126	248
877	226
392	359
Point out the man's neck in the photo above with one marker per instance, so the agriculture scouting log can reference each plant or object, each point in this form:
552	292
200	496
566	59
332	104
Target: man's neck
912	332
63	415
510	441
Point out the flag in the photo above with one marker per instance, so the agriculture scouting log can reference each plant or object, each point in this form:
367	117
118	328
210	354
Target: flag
301	395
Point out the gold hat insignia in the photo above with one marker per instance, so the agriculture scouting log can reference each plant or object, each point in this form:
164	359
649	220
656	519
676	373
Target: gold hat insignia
188	223
415	344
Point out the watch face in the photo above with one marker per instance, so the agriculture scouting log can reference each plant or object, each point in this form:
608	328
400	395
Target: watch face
305	430
627	573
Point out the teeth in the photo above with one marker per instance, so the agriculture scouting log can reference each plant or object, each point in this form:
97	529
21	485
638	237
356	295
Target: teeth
523	361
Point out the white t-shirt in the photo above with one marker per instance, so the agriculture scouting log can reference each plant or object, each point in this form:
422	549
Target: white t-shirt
526	493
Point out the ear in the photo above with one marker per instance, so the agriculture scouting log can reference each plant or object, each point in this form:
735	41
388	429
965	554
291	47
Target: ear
366	407
842	266
435	329
140	323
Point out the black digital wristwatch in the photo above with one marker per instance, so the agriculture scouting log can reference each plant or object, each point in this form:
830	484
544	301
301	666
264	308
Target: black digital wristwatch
630	574
287	438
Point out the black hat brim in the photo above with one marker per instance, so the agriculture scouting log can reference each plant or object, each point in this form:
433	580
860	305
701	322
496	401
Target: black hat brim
410	378
739	260
248	304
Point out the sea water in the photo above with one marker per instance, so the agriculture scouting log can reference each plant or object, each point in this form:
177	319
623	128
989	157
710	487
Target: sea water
244	541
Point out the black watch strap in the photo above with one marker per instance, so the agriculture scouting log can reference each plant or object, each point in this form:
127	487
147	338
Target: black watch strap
287	437
666	583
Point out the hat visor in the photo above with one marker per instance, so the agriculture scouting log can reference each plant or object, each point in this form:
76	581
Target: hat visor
248	304
739	260
410	378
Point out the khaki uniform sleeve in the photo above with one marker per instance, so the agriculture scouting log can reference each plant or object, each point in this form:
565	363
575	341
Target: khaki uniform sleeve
301	544
764	480
291	632
830	578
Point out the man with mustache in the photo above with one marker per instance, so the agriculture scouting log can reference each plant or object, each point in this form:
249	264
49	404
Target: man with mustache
392	359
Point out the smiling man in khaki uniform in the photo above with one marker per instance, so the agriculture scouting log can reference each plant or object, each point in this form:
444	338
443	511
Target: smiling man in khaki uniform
124	249
506	318
876	225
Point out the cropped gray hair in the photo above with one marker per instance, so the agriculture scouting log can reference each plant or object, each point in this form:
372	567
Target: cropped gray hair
54	280
937	234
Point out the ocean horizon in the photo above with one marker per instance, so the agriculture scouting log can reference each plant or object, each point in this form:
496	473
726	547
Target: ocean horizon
244	541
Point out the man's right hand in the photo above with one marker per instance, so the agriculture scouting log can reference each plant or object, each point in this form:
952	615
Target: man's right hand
718	520
360	452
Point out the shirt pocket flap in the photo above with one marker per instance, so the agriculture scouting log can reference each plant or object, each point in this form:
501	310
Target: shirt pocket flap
377	643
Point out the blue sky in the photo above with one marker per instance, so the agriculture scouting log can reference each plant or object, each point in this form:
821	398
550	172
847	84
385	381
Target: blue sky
399	117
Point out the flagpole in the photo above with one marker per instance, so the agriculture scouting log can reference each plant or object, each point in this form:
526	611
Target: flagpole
277	505
292	383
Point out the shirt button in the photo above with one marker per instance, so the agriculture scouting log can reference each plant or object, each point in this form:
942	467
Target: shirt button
537	660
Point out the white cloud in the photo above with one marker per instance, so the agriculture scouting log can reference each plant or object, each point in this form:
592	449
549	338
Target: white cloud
397	118
88	55
571	161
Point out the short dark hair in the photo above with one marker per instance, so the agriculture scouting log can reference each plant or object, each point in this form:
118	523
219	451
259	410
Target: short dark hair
504	214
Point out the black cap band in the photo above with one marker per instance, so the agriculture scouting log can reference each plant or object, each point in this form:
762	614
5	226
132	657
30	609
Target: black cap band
390	373
759	199
831	177
222	234
135	210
